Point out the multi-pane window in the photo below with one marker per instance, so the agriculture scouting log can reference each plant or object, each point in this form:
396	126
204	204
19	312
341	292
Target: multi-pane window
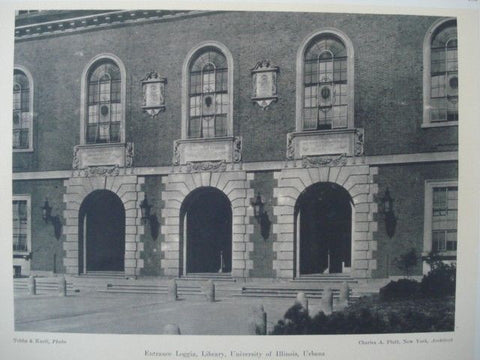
104	103
444	218
20	225
444	74
325	84
22	122
208	95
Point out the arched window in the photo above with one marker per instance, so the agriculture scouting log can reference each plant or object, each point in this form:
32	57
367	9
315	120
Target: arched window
104	103
441	74
22	110
208	90
325	85
208	95
325	82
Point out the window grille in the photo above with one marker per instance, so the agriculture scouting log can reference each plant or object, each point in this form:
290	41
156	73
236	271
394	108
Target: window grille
104	104
208	95
325	84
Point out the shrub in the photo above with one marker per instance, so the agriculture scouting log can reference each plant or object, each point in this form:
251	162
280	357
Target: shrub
407	261
440	281
401	289
371	316
296	321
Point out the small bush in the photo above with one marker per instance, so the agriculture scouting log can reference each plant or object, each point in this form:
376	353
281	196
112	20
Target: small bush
401	289
295	321
440	281
407	261
371	316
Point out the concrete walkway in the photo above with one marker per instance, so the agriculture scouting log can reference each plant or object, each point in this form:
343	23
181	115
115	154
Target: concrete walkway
140	313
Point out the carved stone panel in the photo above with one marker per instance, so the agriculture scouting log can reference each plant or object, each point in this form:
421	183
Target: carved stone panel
203	166
227	149
119	155
153	87
348	142
321	161
264	81
92	171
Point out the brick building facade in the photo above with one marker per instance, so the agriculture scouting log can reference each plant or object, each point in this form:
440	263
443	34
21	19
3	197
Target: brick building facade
276	141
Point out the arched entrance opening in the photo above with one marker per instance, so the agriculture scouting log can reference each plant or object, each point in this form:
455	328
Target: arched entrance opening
101	233
206	232
323	230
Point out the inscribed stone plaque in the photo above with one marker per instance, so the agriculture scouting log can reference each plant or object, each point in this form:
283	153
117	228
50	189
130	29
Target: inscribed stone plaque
153	95
207	151
264	84
101	155
325	145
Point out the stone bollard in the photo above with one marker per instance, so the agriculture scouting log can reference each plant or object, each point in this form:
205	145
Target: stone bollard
32	285
210	291
62	286
257	324
343	296
302	300
327	301
172	290
171	329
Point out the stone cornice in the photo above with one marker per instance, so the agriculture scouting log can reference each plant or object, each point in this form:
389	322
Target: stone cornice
376	160
99	21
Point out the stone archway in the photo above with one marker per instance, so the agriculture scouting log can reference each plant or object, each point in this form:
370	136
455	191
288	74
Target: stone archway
235	185
128	189
101	233
358	180
206	225
323	230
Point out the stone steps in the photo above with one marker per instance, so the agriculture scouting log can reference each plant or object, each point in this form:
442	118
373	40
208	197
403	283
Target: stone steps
102	274
286	291
352	298
227	277
145	289
42	286
182	289
325	278
225	286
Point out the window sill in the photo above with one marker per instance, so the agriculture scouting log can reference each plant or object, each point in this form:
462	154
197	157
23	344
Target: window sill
95	145
439	124
22	150
442	255
21	254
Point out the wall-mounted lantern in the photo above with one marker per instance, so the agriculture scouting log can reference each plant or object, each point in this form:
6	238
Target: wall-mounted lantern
261	216
145	208
390	220
49	219
153	87
46	212
258	207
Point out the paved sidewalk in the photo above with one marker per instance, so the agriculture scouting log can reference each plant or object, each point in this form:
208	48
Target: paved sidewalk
140	314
